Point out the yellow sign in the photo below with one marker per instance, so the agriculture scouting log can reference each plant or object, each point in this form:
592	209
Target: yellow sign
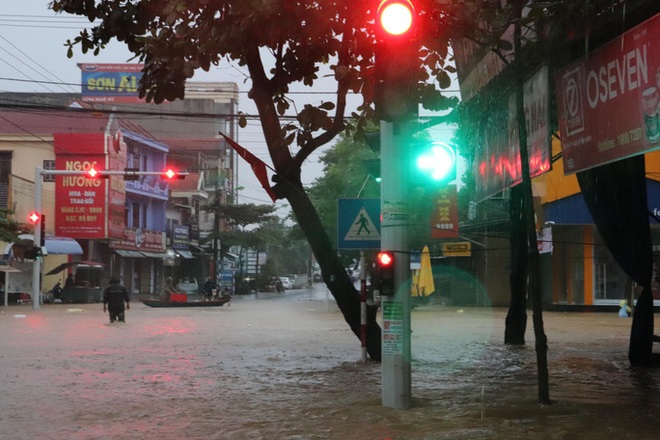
457	249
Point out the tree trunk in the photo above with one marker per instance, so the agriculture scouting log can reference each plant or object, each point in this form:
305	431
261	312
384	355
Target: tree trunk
534	285
516	318
334	274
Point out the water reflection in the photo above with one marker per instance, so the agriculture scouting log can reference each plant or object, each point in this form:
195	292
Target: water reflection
278	369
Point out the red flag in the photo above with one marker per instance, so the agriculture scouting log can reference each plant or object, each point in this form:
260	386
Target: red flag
258	166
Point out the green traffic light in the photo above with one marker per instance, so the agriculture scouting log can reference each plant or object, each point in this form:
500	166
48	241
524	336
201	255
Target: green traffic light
438	162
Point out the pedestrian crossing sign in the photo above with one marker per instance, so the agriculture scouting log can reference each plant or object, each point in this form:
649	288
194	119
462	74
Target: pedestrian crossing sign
358	224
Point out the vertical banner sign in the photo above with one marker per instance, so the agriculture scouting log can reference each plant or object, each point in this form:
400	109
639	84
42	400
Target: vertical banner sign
392	327
116	186
608	103
181	237
88	208
80	199
444	220
111	82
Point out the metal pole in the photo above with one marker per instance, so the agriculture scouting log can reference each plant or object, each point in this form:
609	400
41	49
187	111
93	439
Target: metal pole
36	264
363	306
396	377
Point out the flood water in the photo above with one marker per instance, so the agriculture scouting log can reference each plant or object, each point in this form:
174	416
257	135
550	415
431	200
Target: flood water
287	367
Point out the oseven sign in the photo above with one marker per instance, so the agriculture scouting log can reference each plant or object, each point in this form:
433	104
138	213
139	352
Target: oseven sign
608	102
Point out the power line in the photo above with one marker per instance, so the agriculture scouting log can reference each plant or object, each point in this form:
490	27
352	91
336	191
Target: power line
33	61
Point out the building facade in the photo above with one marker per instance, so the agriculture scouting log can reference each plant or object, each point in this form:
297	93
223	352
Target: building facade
139	228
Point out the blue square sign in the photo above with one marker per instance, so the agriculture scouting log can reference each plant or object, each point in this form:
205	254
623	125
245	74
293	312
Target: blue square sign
358	224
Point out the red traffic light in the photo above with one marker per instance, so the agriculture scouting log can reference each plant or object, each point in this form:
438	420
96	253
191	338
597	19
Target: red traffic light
384	280
92	172
34	218
395	17
173	174
385	259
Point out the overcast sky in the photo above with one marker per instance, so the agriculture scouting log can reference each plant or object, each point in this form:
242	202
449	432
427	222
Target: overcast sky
33	59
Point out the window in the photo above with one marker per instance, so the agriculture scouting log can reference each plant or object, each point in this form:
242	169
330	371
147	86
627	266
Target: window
5	171
136	215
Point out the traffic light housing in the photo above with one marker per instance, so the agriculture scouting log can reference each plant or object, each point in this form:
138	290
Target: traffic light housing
433	163
396	17
373	168
34	218
171	174
32	253
397	61
385	267
42	241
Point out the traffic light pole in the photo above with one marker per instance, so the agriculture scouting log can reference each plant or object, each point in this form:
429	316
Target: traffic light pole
396	377
36	263
38	180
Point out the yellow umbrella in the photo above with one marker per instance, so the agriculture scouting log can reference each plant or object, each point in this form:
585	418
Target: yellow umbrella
422	281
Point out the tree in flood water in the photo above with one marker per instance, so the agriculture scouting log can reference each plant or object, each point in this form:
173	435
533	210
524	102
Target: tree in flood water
280	42
555	34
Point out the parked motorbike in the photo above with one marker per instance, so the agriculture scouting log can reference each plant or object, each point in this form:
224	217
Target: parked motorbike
54	294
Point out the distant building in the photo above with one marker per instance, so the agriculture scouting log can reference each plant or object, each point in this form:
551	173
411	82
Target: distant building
143	229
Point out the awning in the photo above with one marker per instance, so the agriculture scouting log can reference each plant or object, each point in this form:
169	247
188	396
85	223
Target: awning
128	254
573	210
63	246
64	266
54	245
154	254
185	254
8	269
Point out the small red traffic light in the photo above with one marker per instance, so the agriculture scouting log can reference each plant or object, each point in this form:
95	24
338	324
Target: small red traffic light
92	172
395	17
173	174
384	276
385	259
34	218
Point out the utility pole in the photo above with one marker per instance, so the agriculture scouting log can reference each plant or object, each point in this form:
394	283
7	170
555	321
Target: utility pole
396	372
216	233
396	106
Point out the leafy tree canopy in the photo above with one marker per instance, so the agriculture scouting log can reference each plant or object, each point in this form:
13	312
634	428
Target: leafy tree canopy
9	228
280	43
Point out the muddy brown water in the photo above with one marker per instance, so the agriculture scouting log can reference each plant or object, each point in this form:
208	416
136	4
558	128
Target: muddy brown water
287	367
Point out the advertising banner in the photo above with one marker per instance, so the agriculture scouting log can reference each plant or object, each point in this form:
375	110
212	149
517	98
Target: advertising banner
180	237
89	208
116	186
444	219
497	164
137	239
80	211
608	103
110	82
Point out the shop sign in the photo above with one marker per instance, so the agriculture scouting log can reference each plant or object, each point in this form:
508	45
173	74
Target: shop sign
608	103
180	237
137	239
111	82
444	220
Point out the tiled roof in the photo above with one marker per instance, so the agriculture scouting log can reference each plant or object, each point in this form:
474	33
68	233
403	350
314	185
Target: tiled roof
208	144
40	122
189	184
